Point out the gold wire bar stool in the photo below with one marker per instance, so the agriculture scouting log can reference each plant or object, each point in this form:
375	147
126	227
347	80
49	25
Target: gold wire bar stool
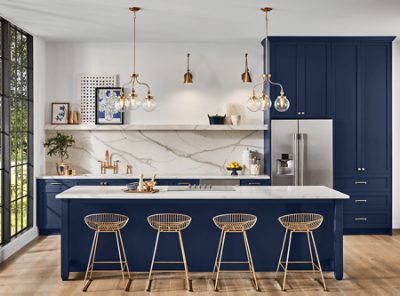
169	222
102	223
302	223
234	223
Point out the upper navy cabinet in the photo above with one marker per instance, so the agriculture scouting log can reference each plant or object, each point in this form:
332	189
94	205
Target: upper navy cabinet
303	67
362	103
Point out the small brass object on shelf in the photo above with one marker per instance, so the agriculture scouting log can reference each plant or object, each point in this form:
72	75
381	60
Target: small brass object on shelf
128	170
108	164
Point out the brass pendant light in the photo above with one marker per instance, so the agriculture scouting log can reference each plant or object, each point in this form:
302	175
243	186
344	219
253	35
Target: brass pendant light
132	102
246	78
263	102
188	77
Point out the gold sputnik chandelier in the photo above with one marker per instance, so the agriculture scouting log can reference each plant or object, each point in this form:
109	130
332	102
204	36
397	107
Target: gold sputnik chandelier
263	102
132	102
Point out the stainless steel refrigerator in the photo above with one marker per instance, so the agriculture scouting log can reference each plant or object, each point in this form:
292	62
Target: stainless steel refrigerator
301	152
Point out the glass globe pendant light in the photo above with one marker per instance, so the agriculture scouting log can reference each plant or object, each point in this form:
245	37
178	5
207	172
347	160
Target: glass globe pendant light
263	101
132	102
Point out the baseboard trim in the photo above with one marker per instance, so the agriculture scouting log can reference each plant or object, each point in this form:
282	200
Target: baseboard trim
18	243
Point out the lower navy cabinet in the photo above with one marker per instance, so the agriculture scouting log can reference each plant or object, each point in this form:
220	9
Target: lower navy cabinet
48	207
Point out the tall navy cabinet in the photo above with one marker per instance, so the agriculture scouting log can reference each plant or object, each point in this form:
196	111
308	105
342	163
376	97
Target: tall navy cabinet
303	66
348	79
362	83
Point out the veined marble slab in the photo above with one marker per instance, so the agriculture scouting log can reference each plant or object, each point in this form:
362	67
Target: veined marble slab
240	192
187	152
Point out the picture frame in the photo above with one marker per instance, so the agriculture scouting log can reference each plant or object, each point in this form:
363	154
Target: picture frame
59	113
105	99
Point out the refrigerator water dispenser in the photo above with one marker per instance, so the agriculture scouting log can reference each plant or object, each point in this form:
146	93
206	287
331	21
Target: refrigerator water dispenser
285	165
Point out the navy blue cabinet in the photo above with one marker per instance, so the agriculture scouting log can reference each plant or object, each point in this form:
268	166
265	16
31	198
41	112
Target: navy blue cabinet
303	67
362	131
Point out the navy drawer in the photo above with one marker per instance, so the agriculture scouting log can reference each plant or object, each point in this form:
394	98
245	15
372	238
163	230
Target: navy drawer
363	220
57	186
255	182
362	184
367	202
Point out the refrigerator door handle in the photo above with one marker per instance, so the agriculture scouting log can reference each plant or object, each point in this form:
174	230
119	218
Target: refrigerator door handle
301	160
296	158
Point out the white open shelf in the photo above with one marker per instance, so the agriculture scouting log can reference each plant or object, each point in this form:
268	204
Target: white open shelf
156	127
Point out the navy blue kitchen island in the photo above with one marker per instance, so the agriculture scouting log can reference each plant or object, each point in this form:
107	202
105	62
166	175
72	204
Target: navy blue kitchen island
201	237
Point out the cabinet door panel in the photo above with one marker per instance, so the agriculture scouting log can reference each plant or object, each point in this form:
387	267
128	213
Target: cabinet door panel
284	63
376	109
316	102
345	98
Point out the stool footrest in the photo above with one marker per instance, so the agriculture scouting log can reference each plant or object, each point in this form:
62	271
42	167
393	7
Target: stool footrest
234	262
169	262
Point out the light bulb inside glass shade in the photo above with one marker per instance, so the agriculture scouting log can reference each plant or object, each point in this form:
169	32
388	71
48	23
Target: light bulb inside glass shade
134	102
265	103
281	104
253	104
149	105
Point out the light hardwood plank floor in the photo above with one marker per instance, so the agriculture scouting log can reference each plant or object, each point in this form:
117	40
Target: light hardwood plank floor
372	267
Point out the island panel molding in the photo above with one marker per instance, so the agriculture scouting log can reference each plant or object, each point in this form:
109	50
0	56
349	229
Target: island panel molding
163	152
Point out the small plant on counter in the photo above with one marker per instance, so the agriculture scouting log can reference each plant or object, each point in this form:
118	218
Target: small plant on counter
58	146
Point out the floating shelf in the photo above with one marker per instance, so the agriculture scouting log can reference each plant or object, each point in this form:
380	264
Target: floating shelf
156	127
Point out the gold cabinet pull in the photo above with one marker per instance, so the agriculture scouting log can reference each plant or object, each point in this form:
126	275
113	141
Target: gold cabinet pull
184	183
254	183
55	183
360	182
360	219
360	200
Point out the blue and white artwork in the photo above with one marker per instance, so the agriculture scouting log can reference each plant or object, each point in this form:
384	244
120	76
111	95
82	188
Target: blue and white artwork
107	112
59	113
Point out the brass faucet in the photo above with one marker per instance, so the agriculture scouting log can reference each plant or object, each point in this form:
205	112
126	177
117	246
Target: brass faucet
109	164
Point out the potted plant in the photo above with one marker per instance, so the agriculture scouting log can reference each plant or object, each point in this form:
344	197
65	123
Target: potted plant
58	145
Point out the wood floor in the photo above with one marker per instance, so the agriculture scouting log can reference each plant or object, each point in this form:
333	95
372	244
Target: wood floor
372	267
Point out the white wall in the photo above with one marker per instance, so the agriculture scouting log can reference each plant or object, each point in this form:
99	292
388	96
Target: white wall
395	133
216	68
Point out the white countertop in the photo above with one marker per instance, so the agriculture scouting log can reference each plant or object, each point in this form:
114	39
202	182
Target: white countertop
244	192
149	176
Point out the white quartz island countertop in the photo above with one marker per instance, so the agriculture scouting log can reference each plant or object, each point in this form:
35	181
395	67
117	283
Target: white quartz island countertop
236	192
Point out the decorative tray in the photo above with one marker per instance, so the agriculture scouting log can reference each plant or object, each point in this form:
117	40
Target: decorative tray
136	191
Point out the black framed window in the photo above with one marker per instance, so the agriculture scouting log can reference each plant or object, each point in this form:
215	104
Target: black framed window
16	101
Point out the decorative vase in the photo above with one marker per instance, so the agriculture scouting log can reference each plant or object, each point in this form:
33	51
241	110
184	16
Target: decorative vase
62	168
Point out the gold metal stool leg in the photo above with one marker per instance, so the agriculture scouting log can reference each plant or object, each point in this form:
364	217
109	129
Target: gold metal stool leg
311	253
152	263
89	270
287	261
120	257
319	264
216	257
280	256
250	260
219	261
188	281
127	287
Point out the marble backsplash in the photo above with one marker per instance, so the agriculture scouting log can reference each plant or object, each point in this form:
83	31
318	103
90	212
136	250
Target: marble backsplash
162	152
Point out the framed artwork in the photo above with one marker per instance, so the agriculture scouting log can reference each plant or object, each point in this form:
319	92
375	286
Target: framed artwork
106	110
59	113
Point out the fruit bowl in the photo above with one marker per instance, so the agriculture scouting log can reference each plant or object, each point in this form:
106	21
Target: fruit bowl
234	171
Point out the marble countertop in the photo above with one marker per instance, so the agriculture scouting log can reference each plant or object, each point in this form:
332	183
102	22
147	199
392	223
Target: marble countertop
245	192
132	176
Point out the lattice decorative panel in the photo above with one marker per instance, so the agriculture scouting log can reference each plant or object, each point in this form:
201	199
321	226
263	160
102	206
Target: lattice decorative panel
88	87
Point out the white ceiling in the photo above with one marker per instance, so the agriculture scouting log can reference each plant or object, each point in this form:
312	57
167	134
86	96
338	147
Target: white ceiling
200	20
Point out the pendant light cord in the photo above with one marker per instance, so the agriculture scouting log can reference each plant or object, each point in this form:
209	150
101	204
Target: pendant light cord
266	43
188	55
134	42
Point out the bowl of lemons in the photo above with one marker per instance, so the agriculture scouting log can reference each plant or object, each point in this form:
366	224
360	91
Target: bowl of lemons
234	167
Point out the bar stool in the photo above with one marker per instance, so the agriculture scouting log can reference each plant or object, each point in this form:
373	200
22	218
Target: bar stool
169	222
302	223
101	223
234	223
